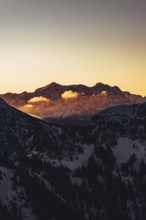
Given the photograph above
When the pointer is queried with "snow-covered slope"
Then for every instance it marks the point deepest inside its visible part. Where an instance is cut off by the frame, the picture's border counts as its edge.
(64, 172)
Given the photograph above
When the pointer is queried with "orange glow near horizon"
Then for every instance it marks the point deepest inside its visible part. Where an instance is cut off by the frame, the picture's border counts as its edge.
(27, 70)
(78, 42)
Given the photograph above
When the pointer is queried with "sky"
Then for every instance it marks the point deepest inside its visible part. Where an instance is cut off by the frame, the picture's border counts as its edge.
(72, 42)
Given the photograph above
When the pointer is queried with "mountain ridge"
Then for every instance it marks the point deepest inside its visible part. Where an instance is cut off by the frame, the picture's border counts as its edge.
(76, 87)
(69, 104)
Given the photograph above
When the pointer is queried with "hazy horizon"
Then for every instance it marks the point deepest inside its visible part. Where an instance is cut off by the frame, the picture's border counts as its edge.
(72, 42)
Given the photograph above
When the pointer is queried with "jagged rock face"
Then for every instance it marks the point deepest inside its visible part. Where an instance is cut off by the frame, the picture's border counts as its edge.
(70, 104)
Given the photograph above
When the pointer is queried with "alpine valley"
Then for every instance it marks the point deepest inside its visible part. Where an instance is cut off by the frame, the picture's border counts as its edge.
(86, 160)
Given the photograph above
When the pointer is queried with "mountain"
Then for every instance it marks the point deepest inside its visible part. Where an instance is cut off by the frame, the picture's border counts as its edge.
(66, 172)
(23, 134)
(73, 104)
(22, 138)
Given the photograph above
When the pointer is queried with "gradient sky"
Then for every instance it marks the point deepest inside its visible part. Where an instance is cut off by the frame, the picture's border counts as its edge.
(72, 41)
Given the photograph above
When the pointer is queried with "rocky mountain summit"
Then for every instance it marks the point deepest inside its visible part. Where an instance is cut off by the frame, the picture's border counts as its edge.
(73, 104)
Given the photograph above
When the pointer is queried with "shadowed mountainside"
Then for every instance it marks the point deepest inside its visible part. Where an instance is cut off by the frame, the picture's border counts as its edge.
(64, 172)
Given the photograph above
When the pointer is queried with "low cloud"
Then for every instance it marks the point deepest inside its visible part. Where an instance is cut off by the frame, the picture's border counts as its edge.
(38, 99)
(104, 93)
(70, 95)
(28, 106)
(36, 106)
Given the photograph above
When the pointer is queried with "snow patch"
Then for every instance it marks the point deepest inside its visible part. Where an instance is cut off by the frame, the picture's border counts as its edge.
(126, 148)
(79, 160)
